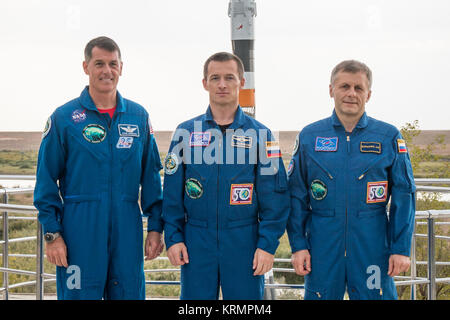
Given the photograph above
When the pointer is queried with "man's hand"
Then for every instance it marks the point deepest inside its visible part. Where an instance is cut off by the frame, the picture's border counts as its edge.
(154, 245)
(397, 264)
(262, 262)
(178, 254)
(56, 252)
(301, 261)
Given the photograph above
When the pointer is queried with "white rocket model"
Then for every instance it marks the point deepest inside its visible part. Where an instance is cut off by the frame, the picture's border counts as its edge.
(242, 13)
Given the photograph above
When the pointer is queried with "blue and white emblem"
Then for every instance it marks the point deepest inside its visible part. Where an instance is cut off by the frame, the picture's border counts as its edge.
(171, 163)
(326, 144)
(200, 139)
(128, 130)
(124, 143)
(79, 116)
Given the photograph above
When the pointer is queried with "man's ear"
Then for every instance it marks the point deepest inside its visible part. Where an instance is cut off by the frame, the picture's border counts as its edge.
(85, 65)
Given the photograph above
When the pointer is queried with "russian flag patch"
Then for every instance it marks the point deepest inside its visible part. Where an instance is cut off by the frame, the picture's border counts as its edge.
(401, 146)
(273, 149)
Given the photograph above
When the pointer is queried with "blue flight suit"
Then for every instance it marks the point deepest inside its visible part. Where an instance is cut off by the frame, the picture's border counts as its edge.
(225, 195)
(340, 186)
(90, 168)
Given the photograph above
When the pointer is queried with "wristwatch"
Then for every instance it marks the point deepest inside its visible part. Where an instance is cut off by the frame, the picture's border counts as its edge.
(50, 237)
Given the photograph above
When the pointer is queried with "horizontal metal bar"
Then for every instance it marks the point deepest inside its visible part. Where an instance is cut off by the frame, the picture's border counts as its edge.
(410, 282)
(16, 271)
(19, 239)
(18, 208)
(442, 280)
(157, 282)
(438, 263)
(432, 189)
(283, 270)
(20, 255)
(161, 270)
(436, 223)
(431, 180)
(19, 218)
(16, 190)
(284, 286)
(420, 235)
(17, 177)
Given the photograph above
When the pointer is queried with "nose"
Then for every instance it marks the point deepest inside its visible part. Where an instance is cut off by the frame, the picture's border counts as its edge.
(222, 83)
(351, 92)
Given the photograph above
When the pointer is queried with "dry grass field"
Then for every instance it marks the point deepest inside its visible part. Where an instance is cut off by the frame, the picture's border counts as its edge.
(29, 141)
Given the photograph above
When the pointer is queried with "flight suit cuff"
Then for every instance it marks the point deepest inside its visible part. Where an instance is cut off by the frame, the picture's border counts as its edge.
(399, 251)
(268, 247)
(174, 239)
(51, 227)
(154, 225)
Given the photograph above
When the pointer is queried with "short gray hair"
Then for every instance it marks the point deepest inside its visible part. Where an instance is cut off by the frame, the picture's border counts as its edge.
(352, 66)
(102, 43)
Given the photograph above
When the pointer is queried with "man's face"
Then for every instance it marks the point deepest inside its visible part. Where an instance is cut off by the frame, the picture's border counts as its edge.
(104, 70)
(350, 92)
(223, 83)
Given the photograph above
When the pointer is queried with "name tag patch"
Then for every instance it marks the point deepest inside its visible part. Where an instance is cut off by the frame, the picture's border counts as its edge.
(124, 143)
(128, 130)
(241, 193)
(326, 144)
(200, 139)
(273, 149)
(374, 147)
(377, 191)
(241, 141)
(401, 146)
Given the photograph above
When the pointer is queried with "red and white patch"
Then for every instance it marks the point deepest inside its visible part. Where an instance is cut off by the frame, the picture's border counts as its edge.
(241, 193)
(377, 191)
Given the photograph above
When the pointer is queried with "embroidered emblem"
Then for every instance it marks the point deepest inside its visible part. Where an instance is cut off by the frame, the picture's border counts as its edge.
(326, 144)
(273, 149)
(291, 167)
(128, 130)
(241, 193)
(94, 133)
(401, 146)
(171, 163)
(241, 141)
(377, 191)
(318, 189)
(200, 139)
(124, 142)
(48, 126)
(374, 147)
(193, 188)
(79, 116)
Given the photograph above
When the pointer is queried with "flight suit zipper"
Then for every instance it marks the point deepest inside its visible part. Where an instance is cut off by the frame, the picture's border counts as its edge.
(346, 201)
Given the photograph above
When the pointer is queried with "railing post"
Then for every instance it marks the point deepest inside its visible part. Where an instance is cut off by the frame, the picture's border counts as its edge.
(413, 258)
(431, 260)
(39, 263)
(5, 248)
(269, 293)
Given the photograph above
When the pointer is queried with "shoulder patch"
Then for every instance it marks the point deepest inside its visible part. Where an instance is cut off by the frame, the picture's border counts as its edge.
(48, 126)
(273, 149)
(291, 167)
(401, 145)
(296, 144)
(171, 163)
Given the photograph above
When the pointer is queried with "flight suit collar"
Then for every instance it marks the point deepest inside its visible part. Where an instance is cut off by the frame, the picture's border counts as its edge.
(88, 103)
(239, 117)
(362, 123)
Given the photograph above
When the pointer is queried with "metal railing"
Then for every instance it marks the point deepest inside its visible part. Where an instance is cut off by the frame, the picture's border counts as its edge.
(30, 213)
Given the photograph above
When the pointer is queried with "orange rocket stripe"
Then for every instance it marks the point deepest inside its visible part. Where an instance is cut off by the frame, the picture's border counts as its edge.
(247, 97)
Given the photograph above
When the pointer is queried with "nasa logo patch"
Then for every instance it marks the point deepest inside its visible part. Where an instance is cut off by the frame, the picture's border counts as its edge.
(79, 116)
(241, 193)
(326, 144)
(377, 191)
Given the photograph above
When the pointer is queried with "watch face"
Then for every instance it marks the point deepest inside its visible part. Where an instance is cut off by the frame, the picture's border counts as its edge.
(48, 237)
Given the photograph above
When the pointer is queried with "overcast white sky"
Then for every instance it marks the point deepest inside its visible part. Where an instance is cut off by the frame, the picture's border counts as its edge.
(165, 43)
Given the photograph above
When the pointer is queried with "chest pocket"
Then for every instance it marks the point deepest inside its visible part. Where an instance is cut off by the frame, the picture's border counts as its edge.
(321, 185)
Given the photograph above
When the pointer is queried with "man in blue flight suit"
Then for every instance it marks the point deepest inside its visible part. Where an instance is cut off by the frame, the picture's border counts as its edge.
(96, 151)
(226, 201)
(343, 172)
